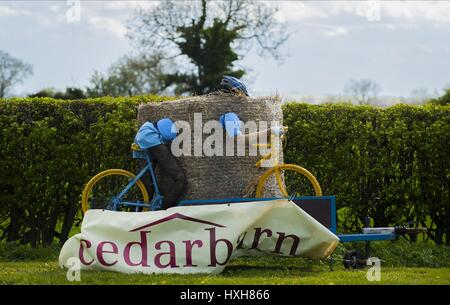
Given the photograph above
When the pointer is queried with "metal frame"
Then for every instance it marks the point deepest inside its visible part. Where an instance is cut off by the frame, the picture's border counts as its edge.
(157, 199)
(333, 228)
(345, 238)
(241, 200)
(224, 200)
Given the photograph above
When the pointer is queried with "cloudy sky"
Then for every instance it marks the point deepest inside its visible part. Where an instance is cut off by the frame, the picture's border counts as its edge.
(402, 45)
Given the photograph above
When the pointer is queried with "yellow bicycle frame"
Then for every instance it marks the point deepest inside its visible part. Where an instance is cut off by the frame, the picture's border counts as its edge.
(273, 153)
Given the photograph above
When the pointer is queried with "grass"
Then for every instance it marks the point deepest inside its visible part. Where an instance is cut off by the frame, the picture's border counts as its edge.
(269, 271)
(403, 254)
(402, 263)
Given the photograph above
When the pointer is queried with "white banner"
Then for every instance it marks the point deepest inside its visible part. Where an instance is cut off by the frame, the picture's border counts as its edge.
(195, 239)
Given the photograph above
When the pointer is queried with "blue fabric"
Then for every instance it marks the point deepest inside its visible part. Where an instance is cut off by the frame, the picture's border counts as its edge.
(232, 124)
(167, 129)
(148, 136)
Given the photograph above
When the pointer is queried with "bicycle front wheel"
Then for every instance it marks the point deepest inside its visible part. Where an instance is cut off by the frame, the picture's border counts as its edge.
(103, 187)
(290, 179)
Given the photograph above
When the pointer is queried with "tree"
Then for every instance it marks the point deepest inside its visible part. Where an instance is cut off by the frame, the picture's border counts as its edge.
(12, 72)
(363, 90)
(129, 76)
(206, 38)
(443, 100)
(420, 95)
(71, 93)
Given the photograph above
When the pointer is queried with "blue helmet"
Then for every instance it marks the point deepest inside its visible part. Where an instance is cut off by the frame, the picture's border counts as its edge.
(233, 84)
(167, 129)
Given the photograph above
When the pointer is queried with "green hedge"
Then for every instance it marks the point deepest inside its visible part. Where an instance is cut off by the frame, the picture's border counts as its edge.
(50, 148)
(391, 163)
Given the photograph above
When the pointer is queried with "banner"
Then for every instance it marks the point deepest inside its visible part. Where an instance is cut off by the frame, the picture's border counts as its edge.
(195, 239)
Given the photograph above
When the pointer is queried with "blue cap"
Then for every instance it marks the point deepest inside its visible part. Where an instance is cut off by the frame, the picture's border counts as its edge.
(167, 129)
(232, 124)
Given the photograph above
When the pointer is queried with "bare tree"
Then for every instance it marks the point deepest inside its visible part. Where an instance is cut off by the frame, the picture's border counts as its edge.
(12, 72)
(206, 37)
(156, 28)
(362, 90)
(420, 95)
(130, 76)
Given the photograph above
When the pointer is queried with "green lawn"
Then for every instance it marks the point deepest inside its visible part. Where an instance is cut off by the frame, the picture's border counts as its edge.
(276, 271)
(402, 263)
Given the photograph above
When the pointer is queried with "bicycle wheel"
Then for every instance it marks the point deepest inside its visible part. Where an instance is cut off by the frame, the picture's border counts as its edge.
(100, 190)
(290, 180)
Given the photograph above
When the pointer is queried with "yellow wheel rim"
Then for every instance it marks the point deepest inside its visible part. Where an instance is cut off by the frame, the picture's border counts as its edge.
(110, 172)
(277, 172)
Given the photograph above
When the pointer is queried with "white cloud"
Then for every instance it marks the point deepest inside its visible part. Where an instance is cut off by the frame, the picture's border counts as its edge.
(402, 11)
(436, 11)
(292, 10)
(426, 49)
(109, 25)
(338, 31)
(54, 8)
(127, 5)
(6, 11)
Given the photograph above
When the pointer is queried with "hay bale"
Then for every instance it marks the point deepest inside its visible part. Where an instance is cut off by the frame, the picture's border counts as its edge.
(217, 177)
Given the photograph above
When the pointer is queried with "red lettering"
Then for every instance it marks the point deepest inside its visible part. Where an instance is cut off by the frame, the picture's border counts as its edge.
(257, 237)
(240, 241)
(282, 237)
(213, 244)
(189, 245)
(81, 252)
(172, 258)
(101, 251)
(144, 252)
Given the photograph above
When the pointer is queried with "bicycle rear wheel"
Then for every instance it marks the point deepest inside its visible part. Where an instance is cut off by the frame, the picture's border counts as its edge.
(103, 187)
(290, 179)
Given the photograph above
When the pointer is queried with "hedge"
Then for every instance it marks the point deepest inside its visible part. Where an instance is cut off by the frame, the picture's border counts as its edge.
(390, 163)
(50, 148)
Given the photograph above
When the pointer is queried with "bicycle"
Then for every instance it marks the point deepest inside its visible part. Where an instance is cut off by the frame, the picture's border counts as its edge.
(291, 172)
(118, 189)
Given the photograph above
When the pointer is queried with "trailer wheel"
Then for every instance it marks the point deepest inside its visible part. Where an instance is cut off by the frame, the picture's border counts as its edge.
(354, 259)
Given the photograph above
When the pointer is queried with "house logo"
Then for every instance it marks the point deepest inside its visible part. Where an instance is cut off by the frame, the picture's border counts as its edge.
(176, 216)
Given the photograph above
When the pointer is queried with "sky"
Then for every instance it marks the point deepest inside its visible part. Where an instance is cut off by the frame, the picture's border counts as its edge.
(402, 45)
